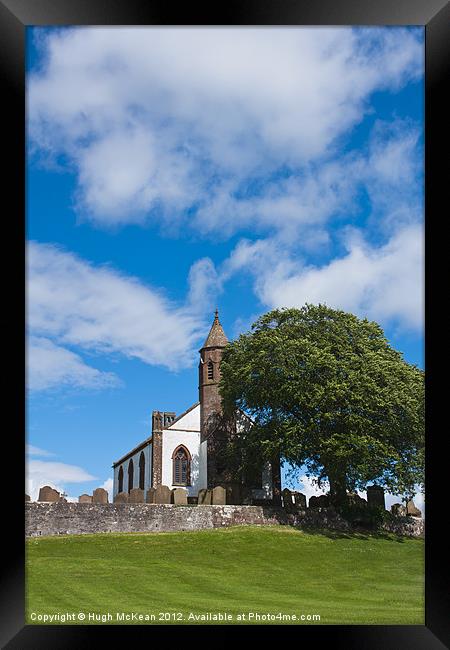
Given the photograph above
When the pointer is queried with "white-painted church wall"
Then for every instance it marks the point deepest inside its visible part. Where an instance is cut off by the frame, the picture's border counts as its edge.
(147, 470)
(171, 440)
(203, 466)
(189, 422)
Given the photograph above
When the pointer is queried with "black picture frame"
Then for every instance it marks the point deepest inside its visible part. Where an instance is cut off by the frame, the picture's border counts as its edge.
(15, 16)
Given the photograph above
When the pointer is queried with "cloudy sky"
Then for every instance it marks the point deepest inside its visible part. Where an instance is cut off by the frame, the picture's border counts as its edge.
(171, 171)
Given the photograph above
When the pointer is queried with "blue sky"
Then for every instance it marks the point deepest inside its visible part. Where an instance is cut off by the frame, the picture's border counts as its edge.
(171, 171)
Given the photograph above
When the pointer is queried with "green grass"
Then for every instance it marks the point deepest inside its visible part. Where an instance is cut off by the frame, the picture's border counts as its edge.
(346, 579)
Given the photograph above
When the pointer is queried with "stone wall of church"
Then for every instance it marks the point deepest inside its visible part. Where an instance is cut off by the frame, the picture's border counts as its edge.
(62, 518)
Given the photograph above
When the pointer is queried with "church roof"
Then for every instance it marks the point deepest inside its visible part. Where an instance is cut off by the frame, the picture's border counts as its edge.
(216, 337)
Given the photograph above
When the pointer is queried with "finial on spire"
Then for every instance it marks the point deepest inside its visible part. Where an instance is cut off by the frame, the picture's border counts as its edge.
(216, 314)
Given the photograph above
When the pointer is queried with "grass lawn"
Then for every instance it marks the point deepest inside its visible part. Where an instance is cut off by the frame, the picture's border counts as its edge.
(346, 579)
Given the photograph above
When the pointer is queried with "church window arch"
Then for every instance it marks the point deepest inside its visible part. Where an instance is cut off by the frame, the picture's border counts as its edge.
(210, 370)
(142, 470)
(130, 475)
(181, 459)
(120, 479)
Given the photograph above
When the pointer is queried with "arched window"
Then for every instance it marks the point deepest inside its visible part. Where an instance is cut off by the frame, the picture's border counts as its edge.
(210, 370)
(181, 466)
(142, 470)
(121, 479)
(130, 475)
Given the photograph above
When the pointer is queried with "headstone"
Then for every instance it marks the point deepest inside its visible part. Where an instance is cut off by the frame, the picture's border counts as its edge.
(162, 494)
(219, 496)
(85, 498)
(47, 493)
(321, 501)
(100, 495)
(150, 498)
(288, 503)
(136, 496)
(398, 509)
(375, 496)
(179, 497)
(300, 500)
(27, 497)
(236, 493)
(355, 500)
(412, 510)
(204, 497)
(121, 497)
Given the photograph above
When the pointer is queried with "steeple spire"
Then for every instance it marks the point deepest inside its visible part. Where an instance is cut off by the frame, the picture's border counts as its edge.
(216, 337)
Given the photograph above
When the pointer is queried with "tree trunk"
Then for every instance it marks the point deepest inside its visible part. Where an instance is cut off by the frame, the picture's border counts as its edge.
(338, 488)
(276, 481)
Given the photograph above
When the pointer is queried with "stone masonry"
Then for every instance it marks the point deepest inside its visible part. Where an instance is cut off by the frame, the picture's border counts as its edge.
(62, 518)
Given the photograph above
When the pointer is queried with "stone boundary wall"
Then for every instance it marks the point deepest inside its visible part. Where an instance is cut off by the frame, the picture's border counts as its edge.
(62, 518)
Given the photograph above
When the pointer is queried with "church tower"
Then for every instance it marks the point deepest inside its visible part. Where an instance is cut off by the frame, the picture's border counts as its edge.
(209, 396)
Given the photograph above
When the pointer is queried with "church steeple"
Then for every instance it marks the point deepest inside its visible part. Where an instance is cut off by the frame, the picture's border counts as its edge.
(216, 337)
(209, 375)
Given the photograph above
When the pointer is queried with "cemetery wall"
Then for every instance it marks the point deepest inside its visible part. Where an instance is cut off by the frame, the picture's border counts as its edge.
(62, 518)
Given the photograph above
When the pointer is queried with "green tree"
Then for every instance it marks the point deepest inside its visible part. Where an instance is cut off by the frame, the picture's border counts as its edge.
(326, 390)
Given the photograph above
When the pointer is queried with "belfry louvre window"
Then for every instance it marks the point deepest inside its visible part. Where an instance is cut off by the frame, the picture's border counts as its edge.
(181, 467)
(210, 370)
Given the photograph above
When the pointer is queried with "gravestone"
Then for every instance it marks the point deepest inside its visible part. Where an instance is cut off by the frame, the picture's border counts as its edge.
(355, 500)
(179, 497)
(100, 495)
(412, 510)
(246, 496)
(321, 501)
(162, 494)
(300, 500)
(235, 493)
(47, 493)
(204, 497)
(150, 498)
(121, 497)
(288, 503)
(27, 497)
(398, 509)
(136, 496)
(85, 498)
(375, 496)
(219, 496)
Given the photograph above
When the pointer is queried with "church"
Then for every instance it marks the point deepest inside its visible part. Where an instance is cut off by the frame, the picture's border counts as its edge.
(184, 450)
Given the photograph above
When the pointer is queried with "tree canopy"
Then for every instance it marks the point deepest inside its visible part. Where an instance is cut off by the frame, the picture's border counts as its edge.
(325, 389)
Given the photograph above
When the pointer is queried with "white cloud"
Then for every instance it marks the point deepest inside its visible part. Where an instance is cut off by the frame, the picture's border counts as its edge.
(151, 118)
(31, 450)
(56, 475)
(74, 303)
(383, 283)
(50, 365)
(155, 121)
(205, 285)
(298, 207)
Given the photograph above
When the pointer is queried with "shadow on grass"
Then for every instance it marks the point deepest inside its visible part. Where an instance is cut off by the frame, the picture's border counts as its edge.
(356, 533)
